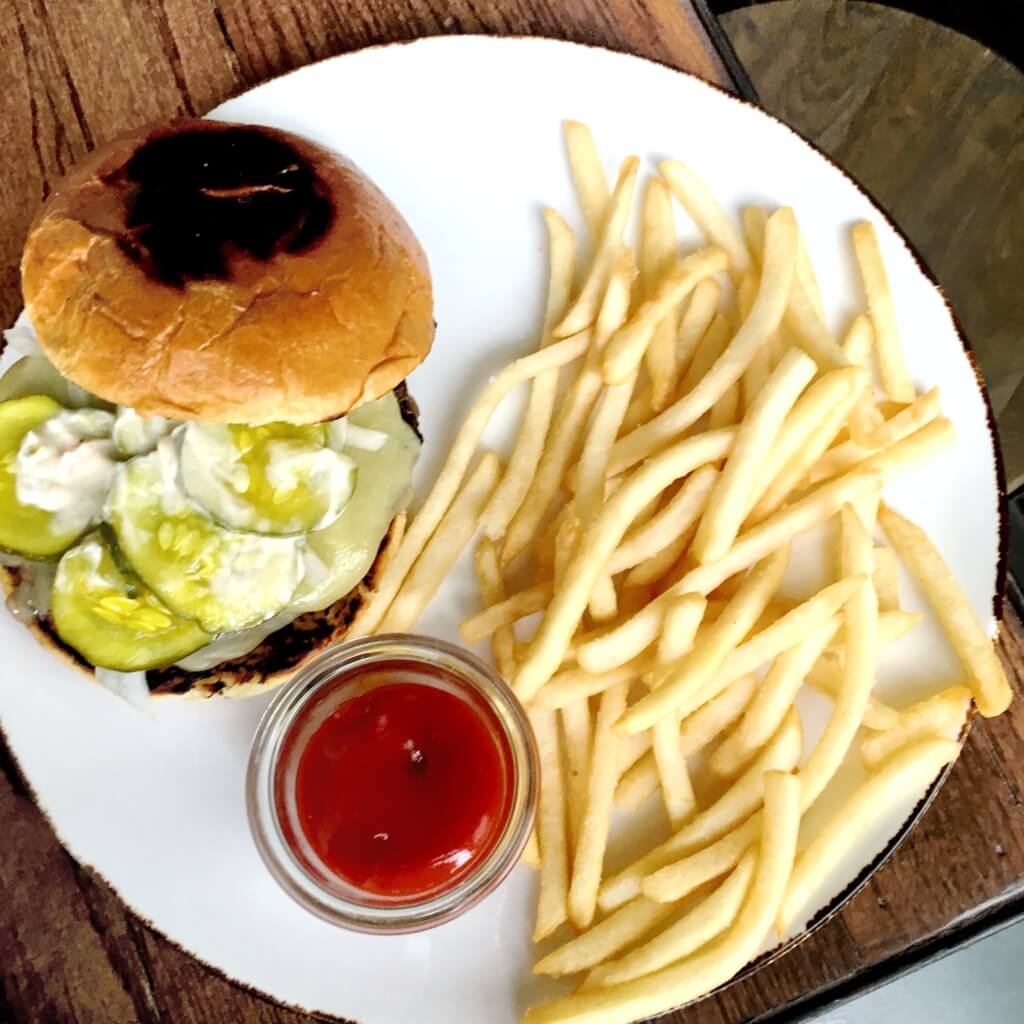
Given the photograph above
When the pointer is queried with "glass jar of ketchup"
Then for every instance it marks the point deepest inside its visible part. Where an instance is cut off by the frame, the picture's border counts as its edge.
(392, 783)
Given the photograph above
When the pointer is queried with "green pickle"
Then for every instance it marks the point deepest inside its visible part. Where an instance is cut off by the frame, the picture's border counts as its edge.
(25, 529)
(224, 580)
(277, 479)
(112, 620)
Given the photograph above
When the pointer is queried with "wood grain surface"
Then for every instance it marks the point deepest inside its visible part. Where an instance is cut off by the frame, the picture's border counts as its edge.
(73, 73)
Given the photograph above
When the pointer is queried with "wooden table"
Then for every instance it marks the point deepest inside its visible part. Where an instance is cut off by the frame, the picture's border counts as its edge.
(73, 73)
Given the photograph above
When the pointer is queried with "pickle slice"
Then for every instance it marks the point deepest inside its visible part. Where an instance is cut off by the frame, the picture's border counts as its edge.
(224, 580)
(277, 479)
(25, 529)
(115, 621)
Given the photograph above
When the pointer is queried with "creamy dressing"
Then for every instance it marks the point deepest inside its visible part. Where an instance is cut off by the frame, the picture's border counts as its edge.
(137, 435)
(66, 466)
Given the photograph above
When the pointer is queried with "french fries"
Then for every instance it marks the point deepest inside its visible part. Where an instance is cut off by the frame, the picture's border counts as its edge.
(985, 674)
(649, 507)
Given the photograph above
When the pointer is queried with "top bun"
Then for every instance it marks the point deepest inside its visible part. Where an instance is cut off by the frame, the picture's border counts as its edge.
(228, 273)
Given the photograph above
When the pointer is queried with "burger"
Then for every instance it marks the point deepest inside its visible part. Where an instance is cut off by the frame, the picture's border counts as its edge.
(206, 445)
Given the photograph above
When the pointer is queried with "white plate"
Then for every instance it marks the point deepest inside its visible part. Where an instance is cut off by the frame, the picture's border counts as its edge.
(465, 135)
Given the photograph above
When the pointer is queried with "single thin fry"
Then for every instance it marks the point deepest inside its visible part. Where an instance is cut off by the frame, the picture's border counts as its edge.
(583, 312)
(565, 543)
(439, 555)
(776, 280)
(513, 608)
(891, 627)
(657, 254)
(907, 771)
(887, 580)
(805, 324)
(551, 827)
(774, 697)
(682, 620)
(577, 732)
(730, 500)
(717, 226)
(531, 851)
(718, 962)
(859, 664)
(587, 174)
(509, 494)
(679, 513)
(630, 922)
(754, 219)
(693, 325)
(448, 480)
(626, 348)
(939, 715)
(597, 545)
(891, 364)
(590, 845)
(838, 389)
(575, 683)
(826, 678)
(659, 566)
(623, 642)
(707, 919)
(710, 347)
(695, 733)
(725, 412)
(604, 601)
(985, 674)
(696, 668)
(492, 589)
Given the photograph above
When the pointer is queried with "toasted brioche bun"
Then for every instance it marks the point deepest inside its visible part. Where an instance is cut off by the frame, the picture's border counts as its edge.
(228, 273)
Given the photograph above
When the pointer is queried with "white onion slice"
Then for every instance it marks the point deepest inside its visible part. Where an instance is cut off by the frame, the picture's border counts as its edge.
(129, 686)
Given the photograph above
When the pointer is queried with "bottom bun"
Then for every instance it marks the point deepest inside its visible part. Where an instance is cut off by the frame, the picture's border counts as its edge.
(266, 666)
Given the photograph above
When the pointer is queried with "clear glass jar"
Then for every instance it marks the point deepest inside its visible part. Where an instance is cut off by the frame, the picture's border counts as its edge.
(317, 690)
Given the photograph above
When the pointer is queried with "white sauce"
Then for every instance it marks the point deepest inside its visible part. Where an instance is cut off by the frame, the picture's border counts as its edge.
(66, 466)
(138, 435)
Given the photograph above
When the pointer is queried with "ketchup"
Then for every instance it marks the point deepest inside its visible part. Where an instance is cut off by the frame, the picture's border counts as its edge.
(404, 787)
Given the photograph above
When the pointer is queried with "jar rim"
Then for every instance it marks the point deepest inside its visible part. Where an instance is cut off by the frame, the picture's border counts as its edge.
(287, 708)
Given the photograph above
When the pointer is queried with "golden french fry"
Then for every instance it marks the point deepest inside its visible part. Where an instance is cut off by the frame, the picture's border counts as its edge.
(577, 733)
(682, 619)
(730, 500)
(593, 838)
(725, 412)
(492, 589)
(938, 715)
(639, 410)
(693, 325)
(583, 312)
(709, 348)
(710, 917)
(891, 364)
(575, 683)
(859, 664)
(717, 226)
(623, 642)
(657, 569)
(985, 674)
(695, 733)
(673, 773)
(597, 545)
(551, 827)
(509, 494)
(907, 771)
(826, 678)
(679, 513)
(657, 255)
(453, 533)
(717, 963)
(615, 932)
(759, 326)
(835, 390)
(807, 327)
(497, 616)
(887, 580)
(459, 457)
(677, 879)
(531, 851)
(891, 627)
(754, 219)
(587, 174)
(626, 348)
(565, 543)
(774, 697)
(695, 669)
